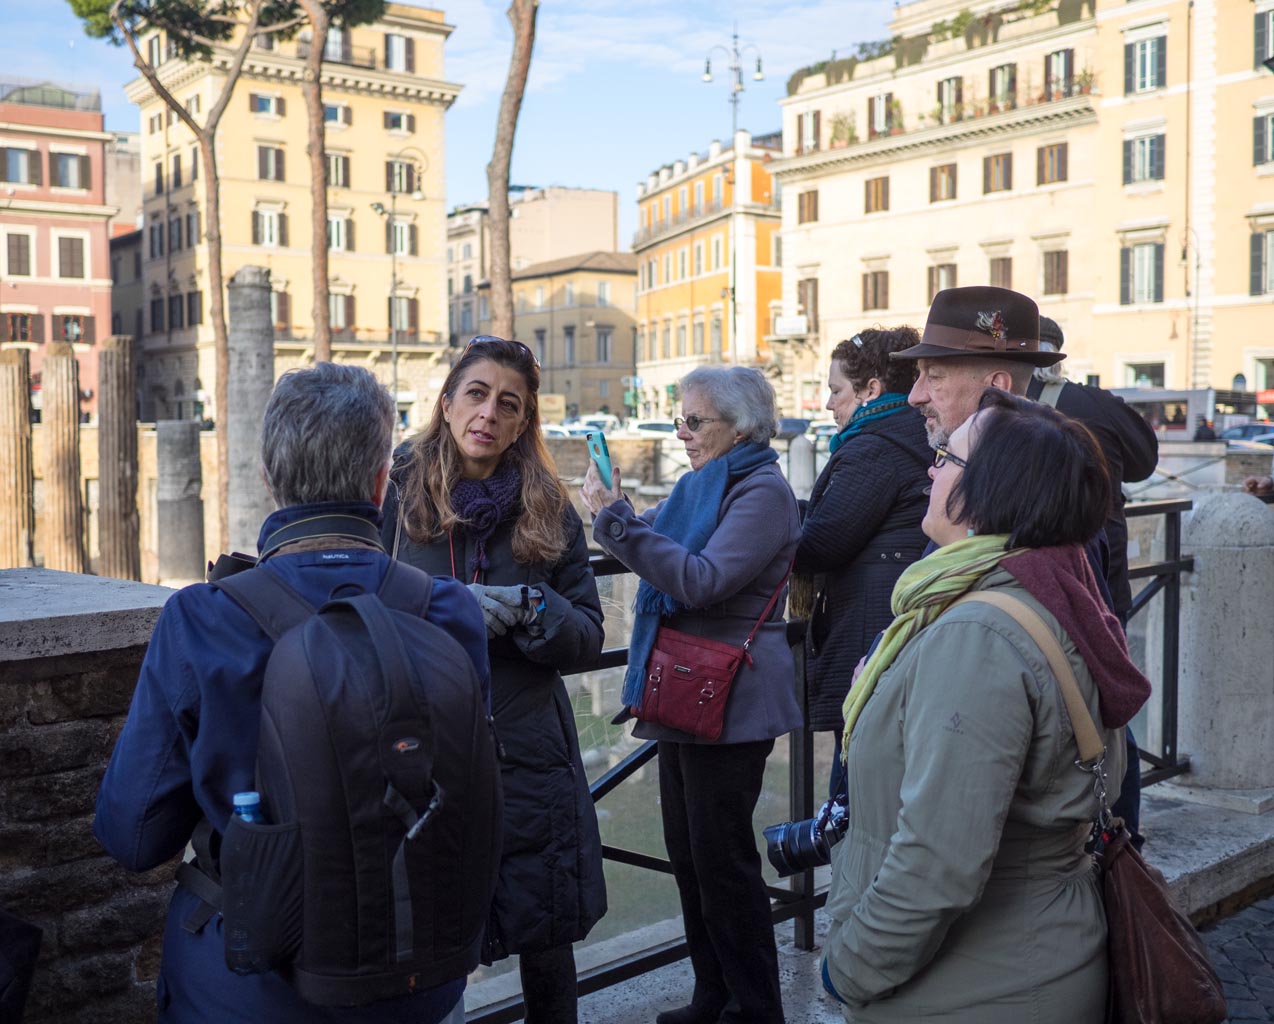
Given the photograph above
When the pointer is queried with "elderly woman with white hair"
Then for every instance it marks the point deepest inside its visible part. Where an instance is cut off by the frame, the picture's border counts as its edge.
(713, 560)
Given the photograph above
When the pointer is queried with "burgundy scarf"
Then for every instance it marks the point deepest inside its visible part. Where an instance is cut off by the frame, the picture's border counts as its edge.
(483, 505)
(1061, 579)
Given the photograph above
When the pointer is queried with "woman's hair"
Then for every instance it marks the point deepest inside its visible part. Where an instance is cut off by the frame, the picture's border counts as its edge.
(866, 355)
(1033, 473)
(434, 463)
(327, 433)
(741, 395)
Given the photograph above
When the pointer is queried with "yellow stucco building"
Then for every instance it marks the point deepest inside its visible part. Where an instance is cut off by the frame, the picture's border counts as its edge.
(576, 315)
(1111, 158)
(385, 98)
(708, 266)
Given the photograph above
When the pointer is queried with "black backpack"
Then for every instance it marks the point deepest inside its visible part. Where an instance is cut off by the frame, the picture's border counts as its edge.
(379, 783)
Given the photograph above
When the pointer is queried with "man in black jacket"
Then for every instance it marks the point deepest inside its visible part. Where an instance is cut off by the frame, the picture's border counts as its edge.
(1130, 446)
(1132, 452)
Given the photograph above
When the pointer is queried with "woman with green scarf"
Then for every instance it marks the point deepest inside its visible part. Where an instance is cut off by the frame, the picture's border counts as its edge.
(861, 528)
(962, 890)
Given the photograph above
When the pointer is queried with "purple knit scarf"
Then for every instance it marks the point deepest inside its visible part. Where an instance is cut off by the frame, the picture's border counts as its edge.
(483, 505)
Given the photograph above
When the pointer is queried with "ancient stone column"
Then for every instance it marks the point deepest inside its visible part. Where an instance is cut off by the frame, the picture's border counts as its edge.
(179, 515)
(17, 505)
(63, 532)
(118, 530)
(248, 389)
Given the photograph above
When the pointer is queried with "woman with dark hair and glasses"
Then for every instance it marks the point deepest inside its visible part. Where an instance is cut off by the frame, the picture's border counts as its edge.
(710, 557)
(862, 525)
(962, 890)
(478, 499)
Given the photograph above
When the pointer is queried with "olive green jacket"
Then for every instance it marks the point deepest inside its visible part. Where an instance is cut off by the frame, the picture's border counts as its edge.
(962, 891)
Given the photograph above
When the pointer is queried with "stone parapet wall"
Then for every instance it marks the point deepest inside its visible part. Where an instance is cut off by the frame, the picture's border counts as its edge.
(70, 650)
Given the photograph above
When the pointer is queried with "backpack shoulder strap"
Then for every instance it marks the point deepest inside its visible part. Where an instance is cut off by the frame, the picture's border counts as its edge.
(1087, 734)
(1050, 393)
(406, 588)
(273, 605)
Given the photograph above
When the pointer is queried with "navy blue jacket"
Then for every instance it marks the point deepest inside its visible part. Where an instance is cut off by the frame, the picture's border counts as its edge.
(190, 744)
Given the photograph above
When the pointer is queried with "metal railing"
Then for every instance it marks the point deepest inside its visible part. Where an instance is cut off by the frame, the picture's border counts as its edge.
(799, 902)
(1165, 578)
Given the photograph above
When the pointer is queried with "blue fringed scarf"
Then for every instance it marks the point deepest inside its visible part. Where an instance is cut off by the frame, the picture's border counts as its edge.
(690, 517)
(877, 409)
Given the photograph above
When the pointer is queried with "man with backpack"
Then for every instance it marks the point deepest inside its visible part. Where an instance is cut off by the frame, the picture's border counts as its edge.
(350, 695)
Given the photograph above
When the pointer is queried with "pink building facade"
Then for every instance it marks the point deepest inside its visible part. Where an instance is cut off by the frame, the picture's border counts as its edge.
(55, 282)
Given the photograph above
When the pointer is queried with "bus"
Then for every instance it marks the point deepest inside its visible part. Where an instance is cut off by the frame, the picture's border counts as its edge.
(1175, 415)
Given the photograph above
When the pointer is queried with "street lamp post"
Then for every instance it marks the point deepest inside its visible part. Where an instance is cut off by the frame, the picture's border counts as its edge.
(735, 53)
(417, 169)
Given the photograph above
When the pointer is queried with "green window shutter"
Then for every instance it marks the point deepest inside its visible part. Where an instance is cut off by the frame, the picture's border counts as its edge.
(1130, 67)
(1159, 271)
(1259, 135)
(1257, 265)
(1125, 276)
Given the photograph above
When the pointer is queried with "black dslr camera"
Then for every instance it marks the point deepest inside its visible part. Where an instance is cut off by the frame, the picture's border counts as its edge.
(797, 846)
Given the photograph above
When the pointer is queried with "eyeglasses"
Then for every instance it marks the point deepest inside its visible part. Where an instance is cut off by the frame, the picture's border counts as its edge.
(693, 423)
(941, 457)
(491, 339)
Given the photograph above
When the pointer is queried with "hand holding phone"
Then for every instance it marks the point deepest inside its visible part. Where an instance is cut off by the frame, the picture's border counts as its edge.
(600, 454)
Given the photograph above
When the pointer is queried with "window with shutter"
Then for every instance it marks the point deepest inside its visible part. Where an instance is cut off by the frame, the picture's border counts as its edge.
(70, 257)
(876, 199)
(1050, 164)
(1002, 271)
(1056, 265)
(18, 254)
(194, 308)
(997, 173)
(876, 289)
(1263, 38)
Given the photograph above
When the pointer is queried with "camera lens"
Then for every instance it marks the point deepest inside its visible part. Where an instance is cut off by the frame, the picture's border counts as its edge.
(796, 846)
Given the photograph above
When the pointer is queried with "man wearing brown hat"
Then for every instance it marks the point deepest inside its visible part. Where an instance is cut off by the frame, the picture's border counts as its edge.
(974, 338)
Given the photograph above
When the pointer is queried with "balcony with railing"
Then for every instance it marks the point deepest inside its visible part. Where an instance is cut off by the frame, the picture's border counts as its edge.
(44, 93)
(356, 56)
(686, 218)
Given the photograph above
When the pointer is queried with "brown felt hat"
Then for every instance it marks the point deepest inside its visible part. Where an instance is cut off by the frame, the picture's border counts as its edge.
(982, 321)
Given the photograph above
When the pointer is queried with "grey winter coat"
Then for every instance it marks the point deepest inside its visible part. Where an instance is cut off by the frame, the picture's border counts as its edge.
(962, 891)
(551, 890)
(726, 585)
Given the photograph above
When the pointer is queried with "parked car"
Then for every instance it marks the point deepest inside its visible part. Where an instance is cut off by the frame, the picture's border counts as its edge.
(790, 427)
(1247, 431)
(554, 430)
(823, 428)
(664, 429)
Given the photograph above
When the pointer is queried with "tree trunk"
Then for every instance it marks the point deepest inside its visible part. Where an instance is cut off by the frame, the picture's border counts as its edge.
(312, 90)
(522, 14)
(206, 135)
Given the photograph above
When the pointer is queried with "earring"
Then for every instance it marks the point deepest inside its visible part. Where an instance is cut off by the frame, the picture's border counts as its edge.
(972, 532)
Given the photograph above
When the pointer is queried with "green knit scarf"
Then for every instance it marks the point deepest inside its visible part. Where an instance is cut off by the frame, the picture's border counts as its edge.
(923, 592)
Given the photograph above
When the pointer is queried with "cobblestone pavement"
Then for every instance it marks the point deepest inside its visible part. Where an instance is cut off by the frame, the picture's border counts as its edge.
(1242, 949)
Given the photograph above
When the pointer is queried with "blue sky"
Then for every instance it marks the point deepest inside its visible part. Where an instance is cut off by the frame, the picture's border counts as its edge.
(614, 91)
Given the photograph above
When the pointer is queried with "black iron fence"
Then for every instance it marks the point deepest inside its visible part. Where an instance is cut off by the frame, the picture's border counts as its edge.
(799, 901)
(1165, 578)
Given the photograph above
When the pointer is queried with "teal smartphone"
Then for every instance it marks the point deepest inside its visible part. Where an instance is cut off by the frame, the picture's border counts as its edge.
(600, 455)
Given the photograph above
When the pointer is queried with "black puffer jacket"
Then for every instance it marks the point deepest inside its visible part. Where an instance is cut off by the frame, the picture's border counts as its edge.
(861, 529)
(551, 890)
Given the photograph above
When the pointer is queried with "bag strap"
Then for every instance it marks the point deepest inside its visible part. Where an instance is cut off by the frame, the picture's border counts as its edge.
(273, 605)
(769, 607)
(1087, 735)
(1050, 393)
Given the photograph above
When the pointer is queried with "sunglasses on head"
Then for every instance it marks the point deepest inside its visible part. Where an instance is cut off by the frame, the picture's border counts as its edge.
(491, 339)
